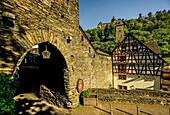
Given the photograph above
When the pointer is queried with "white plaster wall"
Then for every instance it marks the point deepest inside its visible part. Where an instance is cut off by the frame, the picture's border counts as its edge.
(138, 82)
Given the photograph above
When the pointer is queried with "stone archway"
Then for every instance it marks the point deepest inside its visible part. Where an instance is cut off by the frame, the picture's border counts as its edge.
(47, 88)
(44, 77)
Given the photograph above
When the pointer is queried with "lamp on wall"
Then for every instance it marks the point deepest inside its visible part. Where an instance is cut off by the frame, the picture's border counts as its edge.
(46, 54)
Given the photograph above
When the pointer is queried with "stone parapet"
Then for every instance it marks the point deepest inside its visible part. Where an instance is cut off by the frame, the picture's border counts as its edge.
(133, 96)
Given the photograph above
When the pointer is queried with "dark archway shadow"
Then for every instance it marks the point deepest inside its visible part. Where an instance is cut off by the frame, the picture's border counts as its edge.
(52, 70)
(35, 71)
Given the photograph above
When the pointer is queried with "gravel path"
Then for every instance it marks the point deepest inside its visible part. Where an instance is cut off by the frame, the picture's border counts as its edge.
(29, 104)
(104, 108)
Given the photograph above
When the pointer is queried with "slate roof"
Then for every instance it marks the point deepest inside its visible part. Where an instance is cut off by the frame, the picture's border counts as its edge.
(153, 45)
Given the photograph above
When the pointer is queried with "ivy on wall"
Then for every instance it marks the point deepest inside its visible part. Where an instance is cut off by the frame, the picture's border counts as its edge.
(7, 104)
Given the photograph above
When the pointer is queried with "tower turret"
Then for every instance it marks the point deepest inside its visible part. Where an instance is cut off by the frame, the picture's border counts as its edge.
(119, 30)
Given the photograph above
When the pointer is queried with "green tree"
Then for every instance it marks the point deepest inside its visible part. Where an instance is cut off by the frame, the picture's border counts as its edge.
(94, 35)
(139, 26)
(113, 19)
(150, 15)
(101, 35)
(106, 31)
(154, 27)
(7, 104)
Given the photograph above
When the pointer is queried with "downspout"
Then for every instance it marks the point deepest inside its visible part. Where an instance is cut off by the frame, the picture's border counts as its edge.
(112, 71)
(161, 77)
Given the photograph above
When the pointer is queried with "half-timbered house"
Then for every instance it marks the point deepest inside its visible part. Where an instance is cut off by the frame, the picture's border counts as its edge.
(136, 66)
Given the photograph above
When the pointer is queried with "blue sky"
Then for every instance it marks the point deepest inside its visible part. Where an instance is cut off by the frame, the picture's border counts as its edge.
(91, 12)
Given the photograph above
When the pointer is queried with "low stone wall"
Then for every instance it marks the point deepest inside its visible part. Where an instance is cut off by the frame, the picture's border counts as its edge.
(133, 96)
(90, 101)
(53, 98)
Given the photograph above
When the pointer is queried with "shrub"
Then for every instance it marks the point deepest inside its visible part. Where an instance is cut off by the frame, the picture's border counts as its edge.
(7, 104)
(85, 94)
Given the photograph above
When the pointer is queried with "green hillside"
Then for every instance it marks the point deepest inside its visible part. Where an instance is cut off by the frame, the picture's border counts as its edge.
(153, 27)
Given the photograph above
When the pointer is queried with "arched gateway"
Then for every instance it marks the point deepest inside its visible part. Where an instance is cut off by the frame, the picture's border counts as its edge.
(36, 70)
(41, 73)
(29, 28)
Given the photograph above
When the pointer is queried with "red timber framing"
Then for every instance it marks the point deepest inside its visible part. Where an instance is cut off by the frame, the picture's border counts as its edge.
(133, 57)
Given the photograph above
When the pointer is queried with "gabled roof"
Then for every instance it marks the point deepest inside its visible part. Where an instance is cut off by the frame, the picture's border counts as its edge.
(153, 46)
(148, 47)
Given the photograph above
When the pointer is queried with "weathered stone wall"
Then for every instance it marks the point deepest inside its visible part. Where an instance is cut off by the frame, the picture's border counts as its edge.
(24, 23)
(93, 67)
(133, 96)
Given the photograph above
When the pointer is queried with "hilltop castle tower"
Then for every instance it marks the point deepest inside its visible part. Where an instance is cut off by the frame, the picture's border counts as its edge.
(119, 27)
(119, 30)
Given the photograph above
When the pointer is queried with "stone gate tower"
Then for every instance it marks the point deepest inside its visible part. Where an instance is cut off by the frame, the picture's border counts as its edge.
(28, 28)
(119, 30)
